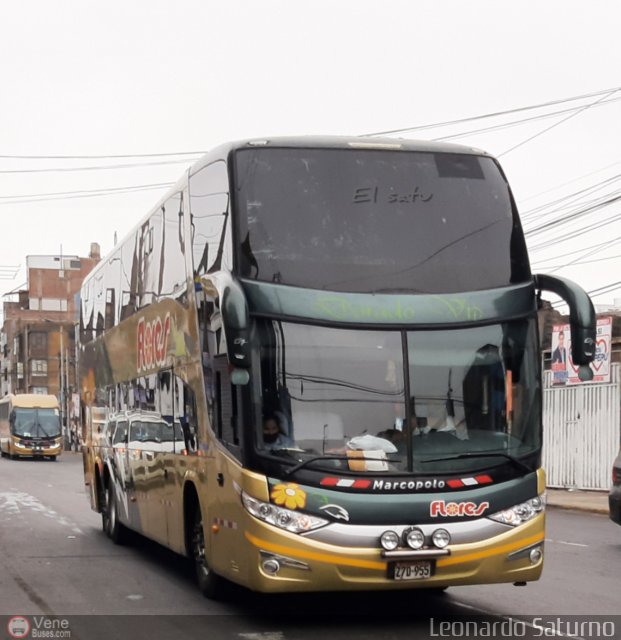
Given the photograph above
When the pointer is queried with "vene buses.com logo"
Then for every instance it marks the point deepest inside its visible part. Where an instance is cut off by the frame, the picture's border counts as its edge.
(18, 627)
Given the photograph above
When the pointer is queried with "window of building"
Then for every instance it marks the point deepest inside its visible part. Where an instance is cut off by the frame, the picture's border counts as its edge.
(38, 367)
(39, 390)
(38, 340)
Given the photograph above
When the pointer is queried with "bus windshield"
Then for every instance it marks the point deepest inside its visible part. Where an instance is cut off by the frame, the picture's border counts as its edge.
(376, 221)
(339, 396)
(36, 423)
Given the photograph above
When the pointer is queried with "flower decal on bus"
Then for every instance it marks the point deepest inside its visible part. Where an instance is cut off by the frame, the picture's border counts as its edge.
(289, 495)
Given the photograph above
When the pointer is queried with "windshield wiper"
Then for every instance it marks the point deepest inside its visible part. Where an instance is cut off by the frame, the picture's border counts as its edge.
(303, 463)
(483, 454)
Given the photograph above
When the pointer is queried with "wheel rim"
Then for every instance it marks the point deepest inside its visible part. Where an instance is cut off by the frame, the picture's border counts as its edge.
(198, 549)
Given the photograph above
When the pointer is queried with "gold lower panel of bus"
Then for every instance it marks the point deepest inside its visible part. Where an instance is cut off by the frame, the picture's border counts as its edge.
(310, 566)
(15, 449)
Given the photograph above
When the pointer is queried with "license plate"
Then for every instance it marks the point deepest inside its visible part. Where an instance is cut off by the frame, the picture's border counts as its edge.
(413, 570)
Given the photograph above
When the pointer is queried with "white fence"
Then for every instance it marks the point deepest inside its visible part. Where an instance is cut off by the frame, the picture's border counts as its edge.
(581, 432)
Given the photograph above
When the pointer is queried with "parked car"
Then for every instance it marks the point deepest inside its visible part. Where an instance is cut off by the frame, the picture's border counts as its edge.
(614, 497)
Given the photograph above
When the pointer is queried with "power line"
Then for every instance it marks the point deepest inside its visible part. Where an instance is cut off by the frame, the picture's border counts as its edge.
(103, 157)
(515, 123)
(568, 217)
(595, 293)
(564, 184)
(69, 195)
(63, 193)
(613, 286)
(601, 245)
(94, 168)
(578, 260)
(571, 216)
(551, 269)
(576, 195)
(577, 232)
(493, 114)
(556, 124)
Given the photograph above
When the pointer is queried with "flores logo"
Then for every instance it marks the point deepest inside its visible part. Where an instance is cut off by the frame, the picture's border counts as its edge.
(452, 509)
(152, 342)
(18, 627)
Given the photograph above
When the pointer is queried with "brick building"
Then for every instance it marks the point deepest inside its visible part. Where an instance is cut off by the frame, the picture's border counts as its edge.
(38, 334)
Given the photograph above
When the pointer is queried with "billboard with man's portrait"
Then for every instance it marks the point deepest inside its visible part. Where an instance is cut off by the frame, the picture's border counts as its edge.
(563, 369)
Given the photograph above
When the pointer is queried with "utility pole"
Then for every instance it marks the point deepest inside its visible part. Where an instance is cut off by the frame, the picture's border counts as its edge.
(68, 402)
(62, 389)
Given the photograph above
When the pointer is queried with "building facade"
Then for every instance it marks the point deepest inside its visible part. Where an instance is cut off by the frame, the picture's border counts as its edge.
(38, 334)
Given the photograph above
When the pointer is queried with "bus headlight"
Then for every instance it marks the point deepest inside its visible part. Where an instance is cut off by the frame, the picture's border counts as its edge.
(281, 518)
(522, 512)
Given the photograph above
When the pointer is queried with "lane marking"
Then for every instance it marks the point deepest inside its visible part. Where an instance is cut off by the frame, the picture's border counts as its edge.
(571, 544)
(14, 503)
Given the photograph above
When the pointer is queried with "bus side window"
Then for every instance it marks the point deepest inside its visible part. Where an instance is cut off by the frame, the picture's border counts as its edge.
(209, 205)
(186, 417)
(228, 403)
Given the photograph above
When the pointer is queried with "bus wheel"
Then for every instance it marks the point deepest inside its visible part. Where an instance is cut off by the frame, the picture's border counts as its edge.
(103, 502)
(209, 583)
(115, 530)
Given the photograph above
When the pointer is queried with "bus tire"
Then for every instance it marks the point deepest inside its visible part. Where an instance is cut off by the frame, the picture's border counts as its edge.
(210, 584)
(115, 530)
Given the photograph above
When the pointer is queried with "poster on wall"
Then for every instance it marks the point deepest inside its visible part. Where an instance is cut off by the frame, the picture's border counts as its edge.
(563, 369)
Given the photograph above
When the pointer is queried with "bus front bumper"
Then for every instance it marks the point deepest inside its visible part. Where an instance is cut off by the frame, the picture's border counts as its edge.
(280, 562)
(36, 451)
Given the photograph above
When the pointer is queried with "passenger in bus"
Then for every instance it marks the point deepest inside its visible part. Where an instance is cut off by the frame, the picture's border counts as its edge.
(273, 434)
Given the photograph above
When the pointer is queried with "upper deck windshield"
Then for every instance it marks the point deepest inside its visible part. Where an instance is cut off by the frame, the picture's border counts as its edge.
(338, 393)
(376, 220)
(36, 423)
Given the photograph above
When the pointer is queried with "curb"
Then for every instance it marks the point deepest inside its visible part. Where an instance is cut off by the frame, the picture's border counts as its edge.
(575, 507)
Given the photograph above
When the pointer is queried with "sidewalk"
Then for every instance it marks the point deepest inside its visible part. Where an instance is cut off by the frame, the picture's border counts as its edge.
(592, 501)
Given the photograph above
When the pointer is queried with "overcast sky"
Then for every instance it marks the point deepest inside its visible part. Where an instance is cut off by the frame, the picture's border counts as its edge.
(86, 78)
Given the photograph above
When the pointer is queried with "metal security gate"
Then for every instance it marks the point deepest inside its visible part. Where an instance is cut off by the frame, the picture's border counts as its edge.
(581, 432)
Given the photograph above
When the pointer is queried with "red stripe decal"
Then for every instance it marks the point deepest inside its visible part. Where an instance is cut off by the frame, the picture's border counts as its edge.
(361, 484)
(455, 484)
(329, 482)
(483, 479)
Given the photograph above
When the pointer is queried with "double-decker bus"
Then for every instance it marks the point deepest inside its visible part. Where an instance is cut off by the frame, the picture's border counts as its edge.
(30, 426)
(338, 340)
